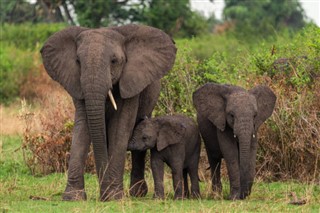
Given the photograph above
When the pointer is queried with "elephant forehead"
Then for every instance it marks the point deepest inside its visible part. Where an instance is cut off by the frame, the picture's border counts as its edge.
(242, 100)
(101, 35)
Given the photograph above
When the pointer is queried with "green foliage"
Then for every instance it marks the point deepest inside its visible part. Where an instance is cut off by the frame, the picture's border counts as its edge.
(297, 60)
(95, 13)
(16, 11)
(179, 84)
(19, 55)
(28, 36)
(264, 17)
(173, 17)
(15, 66)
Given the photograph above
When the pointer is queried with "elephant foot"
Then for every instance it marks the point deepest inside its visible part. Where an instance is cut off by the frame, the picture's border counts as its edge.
(179, 197)
(217, 188)
(244, 194)
(158, 197)
(234, 194)
(71, 194)
(111, 195)
(138, 188)
(195, 195)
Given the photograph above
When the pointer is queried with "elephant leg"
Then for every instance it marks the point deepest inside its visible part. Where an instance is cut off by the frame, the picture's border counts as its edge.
(78, 155)
(209, 135)
(185, 182)
(120, 128)
(157, 167)
(193, 173)
(138, 186)
(229, 149)
(215, 168)
(177, 175)
(195, 189)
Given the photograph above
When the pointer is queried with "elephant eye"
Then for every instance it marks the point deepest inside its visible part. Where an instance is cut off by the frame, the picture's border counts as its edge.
(114, 60)
(144, 138)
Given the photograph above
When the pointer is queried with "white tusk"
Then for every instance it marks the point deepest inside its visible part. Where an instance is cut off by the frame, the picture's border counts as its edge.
(234, 136)
(112, 100)
(254, 136)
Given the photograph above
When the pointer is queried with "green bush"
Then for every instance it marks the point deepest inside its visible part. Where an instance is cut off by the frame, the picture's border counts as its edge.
(28, 36)
(19, 55)
(179, 84)
(15, 65)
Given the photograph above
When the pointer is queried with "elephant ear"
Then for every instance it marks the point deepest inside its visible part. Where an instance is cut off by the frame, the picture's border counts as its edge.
(150, 55)
(210, 102)
(266, 100)
(59, 55)
(171, 132)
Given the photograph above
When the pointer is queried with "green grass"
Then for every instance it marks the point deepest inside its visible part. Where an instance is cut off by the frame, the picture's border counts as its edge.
(17, 185)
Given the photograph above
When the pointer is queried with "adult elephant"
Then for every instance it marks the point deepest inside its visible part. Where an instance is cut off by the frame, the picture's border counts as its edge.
(229, 118)
(113, 77)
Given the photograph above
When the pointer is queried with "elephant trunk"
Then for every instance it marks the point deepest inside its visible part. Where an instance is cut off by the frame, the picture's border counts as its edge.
(244, 157)
(245, 136)
(95, 107)
(95, 83)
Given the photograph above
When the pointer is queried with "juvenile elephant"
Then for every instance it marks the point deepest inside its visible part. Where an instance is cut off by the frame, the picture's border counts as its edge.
(174, 140)
(229, 118)
(113, 77)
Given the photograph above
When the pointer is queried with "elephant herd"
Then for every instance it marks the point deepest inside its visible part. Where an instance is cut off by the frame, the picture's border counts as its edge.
(113, 76)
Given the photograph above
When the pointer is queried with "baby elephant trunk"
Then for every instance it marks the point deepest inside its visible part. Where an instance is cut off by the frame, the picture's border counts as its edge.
(131, 146)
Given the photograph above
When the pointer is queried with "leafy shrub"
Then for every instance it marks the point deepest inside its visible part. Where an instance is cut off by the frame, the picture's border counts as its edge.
(20, 57)
(28, 36)
(15, 65)
(179, 84)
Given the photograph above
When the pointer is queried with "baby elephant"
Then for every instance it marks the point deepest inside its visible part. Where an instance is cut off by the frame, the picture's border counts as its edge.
(174, 140)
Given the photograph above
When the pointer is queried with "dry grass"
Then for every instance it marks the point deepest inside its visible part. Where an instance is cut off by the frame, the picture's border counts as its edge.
(290, 139)
(10, 124)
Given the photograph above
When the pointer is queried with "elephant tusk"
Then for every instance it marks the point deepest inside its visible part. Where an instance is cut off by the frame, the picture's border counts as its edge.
(234, 136)
(112, 100)
(254, 136)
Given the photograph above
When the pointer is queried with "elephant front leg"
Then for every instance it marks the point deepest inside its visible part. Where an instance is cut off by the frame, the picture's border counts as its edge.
(177, 175)
(138, 185)
(78, 155)
(120, 128)
(157, 167)
(230, 153)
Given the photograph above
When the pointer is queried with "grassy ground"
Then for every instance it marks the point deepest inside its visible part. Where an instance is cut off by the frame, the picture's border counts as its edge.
(17, 187)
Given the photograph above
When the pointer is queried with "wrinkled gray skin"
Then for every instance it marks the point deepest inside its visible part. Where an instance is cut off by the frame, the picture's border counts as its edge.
(174, 140)
(128, 60)
(229, 118)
